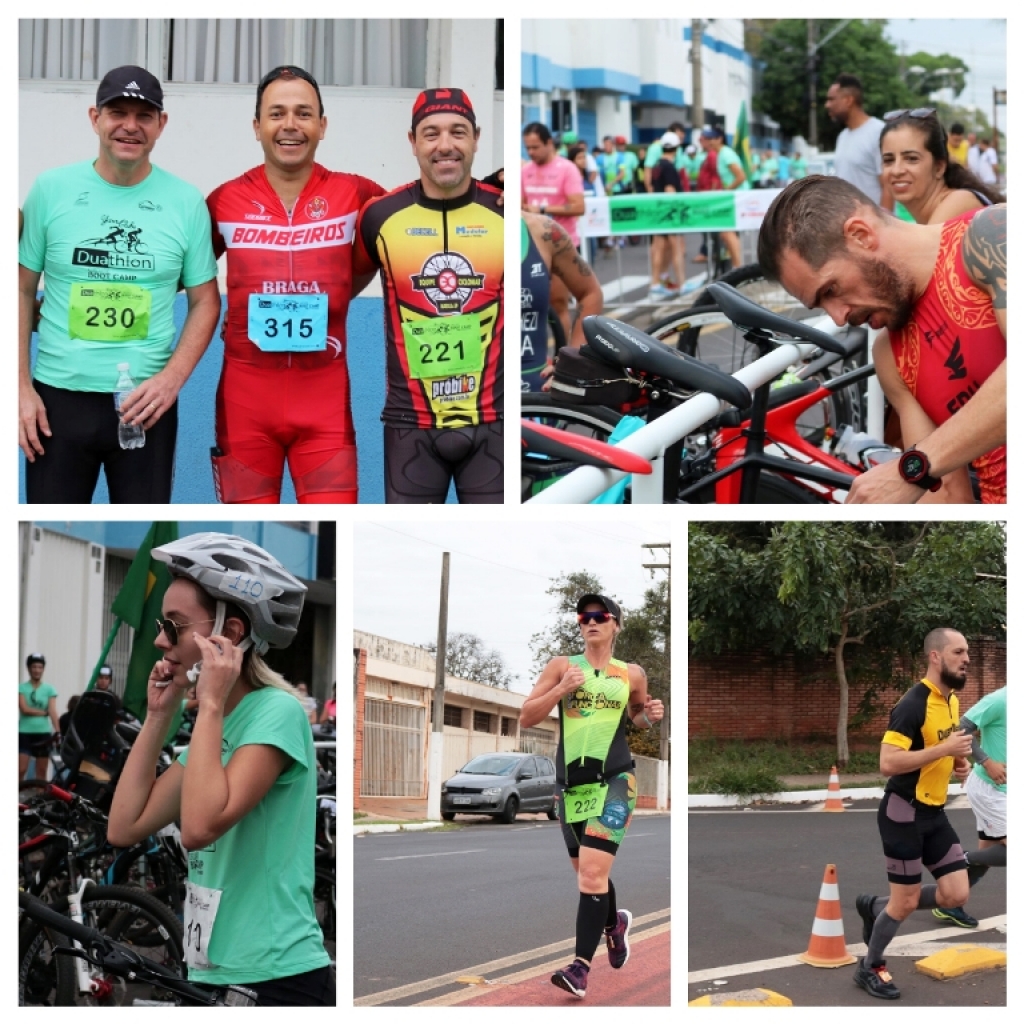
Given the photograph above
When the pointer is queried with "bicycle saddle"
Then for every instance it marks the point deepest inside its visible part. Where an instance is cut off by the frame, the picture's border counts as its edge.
(744, 313)
(586, 451)
(621, 345)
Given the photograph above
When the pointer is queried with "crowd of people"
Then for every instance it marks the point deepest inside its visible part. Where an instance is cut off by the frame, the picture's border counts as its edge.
(117, 238)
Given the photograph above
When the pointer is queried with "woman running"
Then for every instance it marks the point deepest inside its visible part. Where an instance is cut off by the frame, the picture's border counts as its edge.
(594, 694)
(245, 789)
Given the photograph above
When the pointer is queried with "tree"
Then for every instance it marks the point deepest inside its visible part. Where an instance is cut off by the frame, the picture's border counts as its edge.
(828, 587)
(643, 640)
(860, 47)
(466, 658)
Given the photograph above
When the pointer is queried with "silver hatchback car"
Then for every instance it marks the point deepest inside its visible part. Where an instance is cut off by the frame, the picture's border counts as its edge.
(501, 785)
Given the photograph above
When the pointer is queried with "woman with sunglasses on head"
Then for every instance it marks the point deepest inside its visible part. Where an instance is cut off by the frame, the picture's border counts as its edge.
(594, 694)
(245, 789)
(917, 168)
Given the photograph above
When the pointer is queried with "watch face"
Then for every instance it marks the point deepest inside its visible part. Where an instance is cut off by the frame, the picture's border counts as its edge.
(913, 465)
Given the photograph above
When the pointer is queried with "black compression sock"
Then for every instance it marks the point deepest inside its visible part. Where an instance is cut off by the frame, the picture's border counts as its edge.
(991, 856)
(590, 919)
(613, 911)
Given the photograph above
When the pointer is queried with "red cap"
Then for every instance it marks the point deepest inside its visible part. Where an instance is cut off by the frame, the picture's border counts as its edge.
(442, 101)
(620, 140)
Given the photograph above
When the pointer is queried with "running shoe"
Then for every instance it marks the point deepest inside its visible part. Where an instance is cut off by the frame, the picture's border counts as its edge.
(617, 940)
(659, 291)
(875, 980)
(865, 903)
(955, 915)
(573, 979)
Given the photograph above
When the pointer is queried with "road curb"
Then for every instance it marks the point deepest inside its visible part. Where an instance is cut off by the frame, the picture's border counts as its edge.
(802, 796)
(413, 826)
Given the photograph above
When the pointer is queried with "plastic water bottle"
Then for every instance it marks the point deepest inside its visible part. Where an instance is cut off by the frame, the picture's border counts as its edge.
(127, 436)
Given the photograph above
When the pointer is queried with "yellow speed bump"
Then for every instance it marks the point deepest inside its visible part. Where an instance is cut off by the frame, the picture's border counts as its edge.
(748, 997)
(958, 960)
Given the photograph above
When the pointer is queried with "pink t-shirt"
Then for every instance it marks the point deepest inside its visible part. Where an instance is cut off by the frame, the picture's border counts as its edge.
(553, 183)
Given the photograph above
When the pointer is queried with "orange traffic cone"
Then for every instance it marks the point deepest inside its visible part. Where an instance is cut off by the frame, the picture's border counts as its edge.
(828, 945)
(834, 799)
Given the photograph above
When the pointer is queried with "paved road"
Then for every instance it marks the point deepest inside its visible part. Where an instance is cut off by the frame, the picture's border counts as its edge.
(754, 879)
(429, 904)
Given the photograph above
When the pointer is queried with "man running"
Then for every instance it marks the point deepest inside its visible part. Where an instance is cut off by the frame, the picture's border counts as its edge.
(287, 227)
(439, 244)
(940, 290)
(109, 303)
(922, 747)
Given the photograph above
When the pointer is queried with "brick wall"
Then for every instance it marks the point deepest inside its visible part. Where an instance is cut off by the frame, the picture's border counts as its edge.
(357, 753)
(758, 696)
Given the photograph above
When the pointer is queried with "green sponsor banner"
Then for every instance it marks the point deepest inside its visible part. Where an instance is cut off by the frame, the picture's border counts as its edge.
(667, 212)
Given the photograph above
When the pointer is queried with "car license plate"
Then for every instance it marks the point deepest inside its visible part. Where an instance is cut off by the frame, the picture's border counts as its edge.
(462, 800)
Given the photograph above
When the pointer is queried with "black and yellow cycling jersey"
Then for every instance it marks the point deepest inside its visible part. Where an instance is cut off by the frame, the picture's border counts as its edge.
(593, 720)
(923, 718)
(442, 264)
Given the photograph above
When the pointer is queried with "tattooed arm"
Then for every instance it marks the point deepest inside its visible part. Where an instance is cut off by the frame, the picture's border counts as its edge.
(980, 425)
(566, 263)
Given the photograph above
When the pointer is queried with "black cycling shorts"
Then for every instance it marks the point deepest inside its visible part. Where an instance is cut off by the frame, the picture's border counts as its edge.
(913, 835)
(420, 464)
(84, 426)
(35, 744)
(311, 988)
(606, 831)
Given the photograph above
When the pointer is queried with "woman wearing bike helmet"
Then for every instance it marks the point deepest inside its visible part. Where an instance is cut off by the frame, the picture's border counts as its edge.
(245, 790)
(594, 694)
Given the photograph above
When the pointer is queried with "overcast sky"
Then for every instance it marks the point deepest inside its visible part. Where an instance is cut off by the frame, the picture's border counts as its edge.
(979, 43)
(499, 574)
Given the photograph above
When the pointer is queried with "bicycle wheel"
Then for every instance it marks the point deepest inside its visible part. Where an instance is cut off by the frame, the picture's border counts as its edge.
(133, 918)
(538, 472)
(325, 903)
(44, 979)
(720, 342)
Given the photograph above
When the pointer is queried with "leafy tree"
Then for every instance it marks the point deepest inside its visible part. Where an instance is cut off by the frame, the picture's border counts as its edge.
(859, 48)
(923, 84)
(829, 587)
(466, 658)
(643, 640)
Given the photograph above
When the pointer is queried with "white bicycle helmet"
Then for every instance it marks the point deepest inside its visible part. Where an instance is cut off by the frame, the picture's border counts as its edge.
(231, 568)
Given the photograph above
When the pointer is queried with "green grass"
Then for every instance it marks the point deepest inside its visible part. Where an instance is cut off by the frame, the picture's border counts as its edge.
(746, 769)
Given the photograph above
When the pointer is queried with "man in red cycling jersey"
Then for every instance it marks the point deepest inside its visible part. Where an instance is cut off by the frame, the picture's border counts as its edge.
(940, 290)
(287, 227)
(439, 244)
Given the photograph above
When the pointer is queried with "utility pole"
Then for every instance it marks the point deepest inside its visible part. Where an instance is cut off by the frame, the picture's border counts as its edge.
(436, 762)
(664, 738)
(812, 82)
(696, 54)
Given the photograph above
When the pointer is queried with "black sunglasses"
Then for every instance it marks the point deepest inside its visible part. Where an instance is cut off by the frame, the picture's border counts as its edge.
(916, 112)
(171, 628)
(599, 617)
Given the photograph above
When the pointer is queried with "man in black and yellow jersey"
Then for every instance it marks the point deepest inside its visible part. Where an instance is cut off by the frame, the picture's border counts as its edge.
(923, 746)
(439, 244)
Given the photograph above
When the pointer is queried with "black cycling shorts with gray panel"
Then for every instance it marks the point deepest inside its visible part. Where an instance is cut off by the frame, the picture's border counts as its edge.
(916, 835)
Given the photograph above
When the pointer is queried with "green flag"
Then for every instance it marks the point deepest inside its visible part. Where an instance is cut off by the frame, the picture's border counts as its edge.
(741, 140)
(140, 603)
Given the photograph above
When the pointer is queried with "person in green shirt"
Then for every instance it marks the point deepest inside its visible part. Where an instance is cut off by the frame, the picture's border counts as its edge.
(37, 702)
(115, 237)
(798, 167)
(245, 789)
(733, 177)
(630, 162)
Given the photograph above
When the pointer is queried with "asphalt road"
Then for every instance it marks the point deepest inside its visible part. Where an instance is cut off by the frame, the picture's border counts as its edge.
(754, 880)
(431, 903)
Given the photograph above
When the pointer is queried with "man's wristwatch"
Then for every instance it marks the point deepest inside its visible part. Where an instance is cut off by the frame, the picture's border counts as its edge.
(915, 469)
(543, 209)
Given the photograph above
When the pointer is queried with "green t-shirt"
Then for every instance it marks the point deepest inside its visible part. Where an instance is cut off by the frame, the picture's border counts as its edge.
(798, 169)
(88, 237)
(692, 165)
(727, 158)
(632, 162)
(265, 926)
(39, 699)
(989, 715)
(654, 155)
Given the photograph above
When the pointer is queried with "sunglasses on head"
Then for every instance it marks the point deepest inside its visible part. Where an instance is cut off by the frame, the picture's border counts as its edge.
(916, 112)
(599, 617)
(171, 628)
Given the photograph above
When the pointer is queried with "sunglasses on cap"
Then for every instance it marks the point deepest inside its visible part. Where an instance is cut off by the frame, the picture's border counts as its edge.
(599, 617)
(171, 628)
(916, 112)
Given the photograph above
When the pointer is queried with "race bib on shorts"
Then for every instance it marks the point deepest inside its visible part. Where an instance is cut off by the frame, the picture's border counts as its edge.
(582, 802)
(200, 916)
(288, 323)
(444, 346)
(109, 312)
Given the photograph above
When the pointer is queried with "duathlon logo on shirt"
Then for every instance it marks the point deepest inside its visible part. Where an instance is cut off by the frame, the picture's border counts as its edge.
(448, 281)
(316, 209)
(119, 246)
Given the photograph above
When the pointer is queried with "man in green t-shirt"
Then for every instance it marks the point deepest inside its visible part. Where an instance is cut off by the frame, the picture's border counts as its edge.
(116, 238)
(37, 706)
(733, 177)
